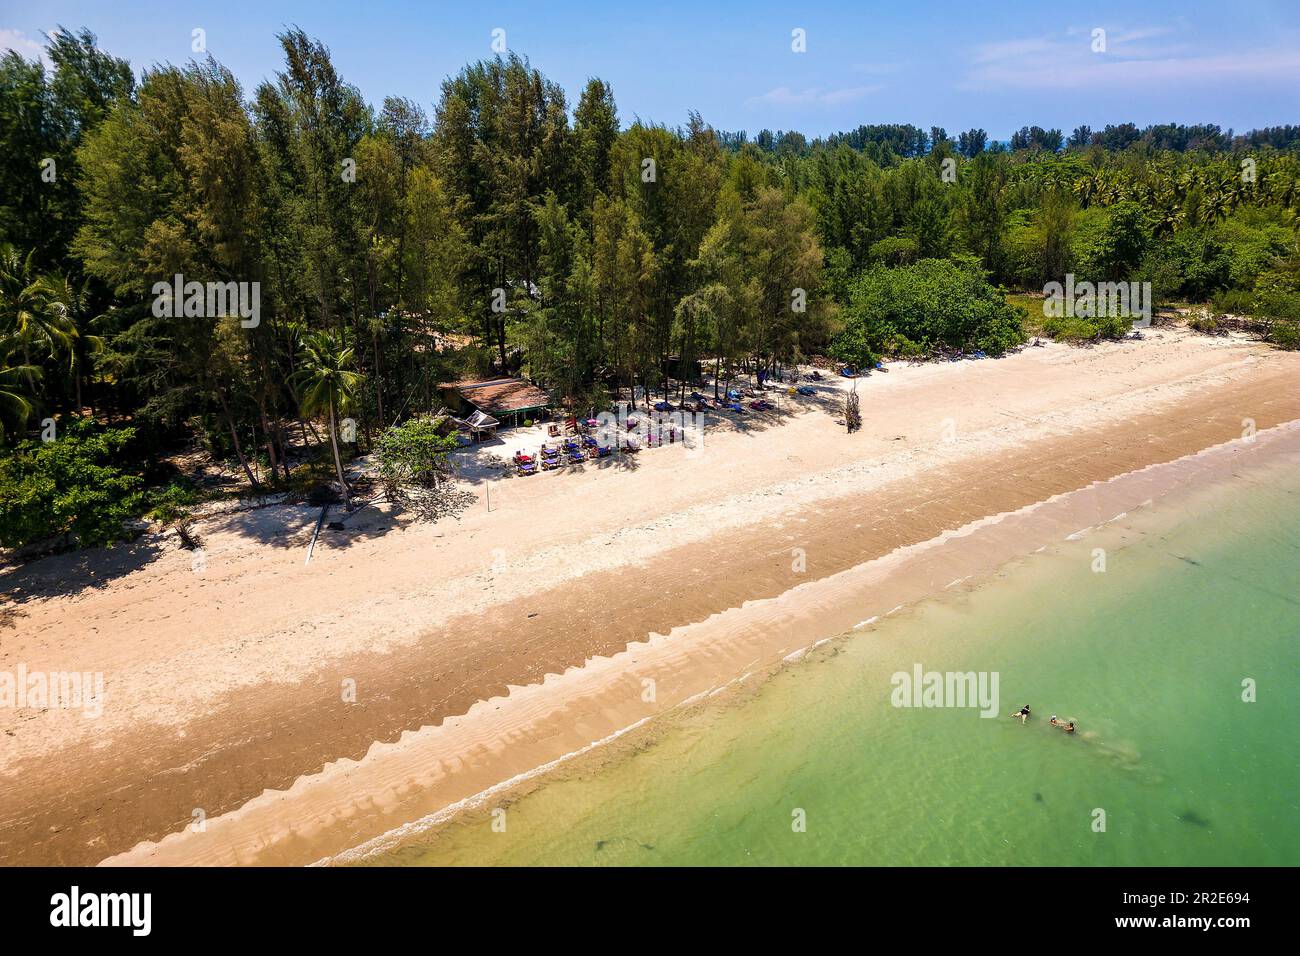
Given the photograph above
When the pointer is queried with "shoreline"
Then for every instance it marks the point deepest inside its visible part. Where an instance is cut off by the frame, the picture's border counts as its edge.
(601, 697)
(224, 688)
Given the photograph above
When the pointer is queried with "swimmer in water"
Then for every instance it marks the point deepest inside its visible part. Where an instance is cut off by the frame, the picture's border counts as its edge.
(1022, 713)
(1067, 726)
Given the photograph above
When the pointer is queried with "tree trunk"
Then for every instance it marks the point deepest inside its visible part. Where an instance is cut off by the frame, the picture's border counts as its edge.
(234, 437)
(379, 374)
(338, 462)
(270, 440)
(282, 437)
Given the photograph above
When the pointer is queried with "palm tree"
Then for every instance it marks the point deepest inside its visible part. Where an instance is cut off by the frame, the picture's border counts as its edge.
(328, 384)
(72, 303)
(28, 315)
(13, 402)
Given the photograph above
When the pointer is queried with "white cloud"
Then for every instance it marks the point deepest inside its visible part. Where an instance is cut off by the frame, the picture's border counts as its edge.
(1131, 60)
(814, 96)
(24, 45)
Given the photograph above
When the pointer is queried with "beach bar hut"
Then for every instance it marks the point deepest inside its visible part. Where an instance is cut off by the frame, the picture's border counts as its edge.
(499, 400)
(479, 425)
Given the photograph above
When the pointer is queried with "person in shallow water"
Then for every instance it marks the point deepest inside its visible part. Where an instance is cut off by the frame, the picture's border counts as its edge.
(1067, 726)
(1022, 713)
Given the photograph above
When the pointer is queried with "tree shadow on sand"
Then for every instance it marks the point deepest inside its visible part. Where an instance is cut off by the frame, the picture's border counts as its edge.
(290, 526)
(69, 574)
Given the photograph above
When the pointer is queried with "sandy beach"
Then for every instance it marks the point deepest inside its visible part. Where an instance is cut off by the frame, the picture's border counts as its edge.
(309, 712)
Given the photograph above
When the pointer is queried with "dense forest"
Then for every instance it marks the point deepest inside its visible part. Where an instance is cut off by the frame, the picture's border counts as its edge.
(510, 231)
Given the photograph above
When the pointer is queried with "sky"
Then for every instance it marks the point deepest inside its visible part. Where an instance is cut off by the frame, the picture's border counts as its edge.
(993, 64)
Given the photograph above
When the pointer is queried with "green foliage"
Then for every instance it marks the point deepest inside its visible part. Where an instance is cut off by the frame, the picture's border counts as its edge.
(414, 470)
(1080, 329)
(379, 237)
(82, 486)
(931, 306)
(414, 453)
(169, 503)
(1286, 334)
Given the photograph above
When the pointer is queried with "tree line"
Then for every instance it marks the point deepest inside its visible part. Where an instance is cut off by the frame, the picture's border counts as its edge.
(509, 231)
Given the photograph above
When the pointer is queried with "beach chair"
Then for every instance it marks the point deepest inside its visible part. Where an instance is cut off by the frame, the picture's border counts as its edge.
(604, 451)
(528, 467)
(576, 457)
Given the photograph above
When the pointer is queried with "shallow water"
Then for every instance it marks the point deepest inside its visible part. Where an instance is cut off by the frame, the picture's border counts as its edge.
(1170, 767)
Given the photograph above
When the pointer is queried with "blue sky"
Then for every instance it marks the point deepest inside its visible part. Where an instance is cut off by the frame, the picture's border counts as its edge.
(996, 65)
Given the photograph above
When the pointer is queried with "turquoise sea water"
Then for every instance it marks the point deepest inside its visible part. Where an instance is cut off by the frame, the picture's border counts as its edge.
(1149, 657)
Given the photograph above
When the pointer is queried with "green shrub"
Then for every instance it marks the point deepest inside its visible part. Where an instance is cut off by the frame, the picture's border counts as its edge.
(1076, 329)
(83, 486)
(923, 308)
(1285, 333)
(415, 472)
